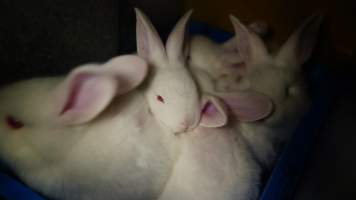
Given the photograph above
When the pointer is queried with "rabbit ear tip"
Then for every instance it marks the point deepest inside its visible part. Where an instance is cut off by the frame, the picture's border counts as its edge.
(138, 12)
(233, 18)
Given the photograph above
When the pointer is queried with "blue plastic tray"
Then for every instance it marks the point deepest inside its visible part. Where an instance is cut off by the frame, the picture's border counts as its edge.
(282, 182)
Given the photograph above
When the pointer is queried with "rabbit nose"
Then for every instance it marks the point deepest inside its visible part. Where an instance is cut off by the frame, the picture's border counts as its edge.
(182, 127)
(188, 124)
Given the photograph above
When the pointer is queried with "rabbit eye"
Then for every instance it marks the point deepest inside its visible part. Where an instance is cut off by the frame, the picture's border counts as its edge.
(13, 123)
(160, 98)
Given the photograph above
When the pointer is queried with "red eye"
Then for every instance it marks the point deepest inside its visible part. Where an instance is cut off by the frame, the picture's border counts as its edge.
(160, 98)
(13, 123)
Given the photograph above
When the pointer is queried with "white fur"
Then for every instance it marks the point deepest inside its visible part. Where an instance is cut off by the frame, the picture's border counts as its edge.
(169, 78)
(221, 61)
(276, 75)
(120, 151)
(108, 145)
(214, 163)
(123, 154)
(213, 59)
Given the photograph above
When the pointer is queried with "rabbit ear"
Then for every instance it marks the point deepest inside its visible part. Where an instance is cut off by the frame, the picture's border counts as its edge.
(259, 27)
(231, 55)
(129, 71)
(89, 89)
(177, 42)
(249, 45)
(214, 112)
(149, 44)
(248, 106)
(85, 94)
(300, 45)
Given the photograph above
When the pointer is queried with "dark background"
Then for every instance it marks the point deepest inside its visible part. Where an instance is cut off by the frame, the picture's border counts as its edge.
(42, 37)
(50, 37)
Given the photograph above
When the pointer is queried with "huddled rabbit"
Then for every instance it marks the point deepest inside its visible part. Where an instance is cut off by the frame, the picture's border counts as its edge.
(277, 74)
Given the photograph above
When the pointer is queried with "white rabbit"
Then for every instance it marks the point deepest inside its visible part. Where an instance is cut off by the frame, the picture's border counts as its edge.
(85, 136)
(216, 163)
(276, 75)
(171, 91)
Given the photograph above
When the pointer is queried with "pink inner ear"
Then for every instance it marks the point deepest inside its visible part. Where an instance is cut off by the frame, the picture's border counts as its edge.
(88, 94)
(248, 106)
(213, 114)
(74, 92)
(209, 109)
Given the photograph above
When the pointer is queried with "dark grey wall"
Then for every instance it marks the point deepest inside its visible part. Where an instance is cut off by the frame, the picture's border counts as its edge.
(50, 37)
(44, 37)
